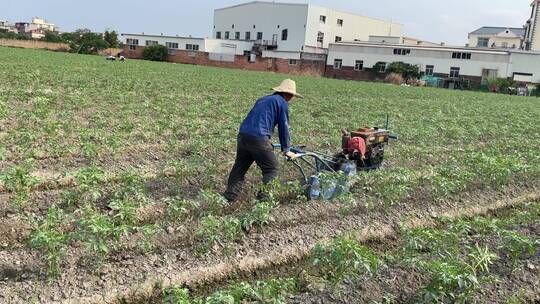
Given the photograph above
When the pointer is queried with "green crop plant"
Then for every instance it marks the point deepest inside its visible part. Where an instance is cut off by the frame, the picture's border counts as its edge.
(51, 239)
(214, 202)
(98, 232)
(455, 279)
(343, 258)
(260, 215)
(175, 295)
(270, 291)
(218, 231)
(516, 246)
(88, 181)
(19, 181)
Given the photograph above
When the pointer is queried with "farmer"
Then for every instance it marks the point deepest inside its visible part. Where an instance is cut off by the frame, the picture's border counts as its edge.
(253, 142)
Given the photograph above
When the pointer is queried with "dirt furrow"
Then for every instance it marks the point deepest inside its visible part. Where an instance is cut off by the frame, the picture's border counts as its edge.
(275, 248)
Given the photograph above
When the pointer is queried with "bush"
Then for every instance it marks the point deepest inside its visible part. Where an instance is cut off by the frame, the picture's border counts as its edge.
(156, 53)
(408, 71)
(501, 85)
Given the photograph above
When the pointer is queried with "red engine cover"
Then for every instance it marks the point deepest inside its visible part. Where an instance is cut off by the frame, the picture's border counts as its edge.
(357, 144)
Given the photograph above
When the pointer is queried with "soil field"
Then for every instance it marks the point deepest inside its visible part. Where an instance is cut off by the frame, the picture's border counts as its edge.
(110, 175)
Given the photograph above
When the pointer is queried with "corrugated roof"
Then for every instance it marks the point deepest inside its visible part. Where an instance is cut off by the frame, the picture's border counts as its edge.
(493, 30)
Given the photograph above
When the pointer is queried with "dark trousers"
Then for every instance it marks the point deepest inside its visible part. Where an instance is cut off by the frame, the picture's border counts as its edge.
(251, 149)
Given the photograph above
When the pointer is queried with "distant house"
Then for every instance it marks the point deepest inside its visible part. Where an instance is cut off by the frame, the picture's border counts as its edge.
(7, 27)
(497, 37)
(38, 27)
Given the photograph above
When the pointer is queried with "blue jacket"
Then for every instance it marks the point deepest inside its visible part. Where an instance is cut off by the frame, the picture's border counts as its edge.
(261, 121)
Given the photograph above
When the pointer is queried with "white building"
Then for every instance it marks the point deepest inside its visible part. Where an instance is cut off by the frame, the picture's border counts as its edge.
(497, 37)
(532, 35)
(350, 59)
(38, 27)
(209, 45)
(289, 27)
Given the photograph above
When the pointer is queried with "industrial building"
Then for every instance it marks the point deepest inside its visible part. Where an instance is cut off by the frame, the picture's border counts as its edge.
(356, 60)
(267, 36)
(291, 27)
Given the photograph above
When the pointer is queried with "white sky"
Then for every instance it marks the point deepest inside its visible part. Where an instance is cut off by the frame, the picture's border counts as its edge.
(434, 20)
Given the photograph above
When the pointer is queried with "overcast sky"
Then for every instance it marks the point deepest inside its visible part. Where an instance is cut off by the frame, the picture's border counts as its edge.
(435, 20)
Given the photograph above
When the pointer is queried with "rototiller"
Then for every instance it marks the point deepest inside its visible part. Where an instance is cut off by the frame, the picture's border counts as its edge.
(331, 176)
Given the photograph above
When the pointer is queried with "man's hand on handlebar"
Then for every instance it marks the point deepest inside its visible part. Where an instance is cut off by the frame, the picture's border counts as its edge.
(290, 155)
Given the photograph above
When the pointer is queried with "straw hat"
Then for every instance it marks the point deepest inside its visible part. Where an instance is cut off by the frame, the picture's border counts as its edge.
(288, 86)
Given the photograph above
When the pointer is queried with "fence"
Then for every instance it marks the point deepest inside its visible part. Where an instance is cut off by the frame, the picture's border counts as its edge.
(35, 44)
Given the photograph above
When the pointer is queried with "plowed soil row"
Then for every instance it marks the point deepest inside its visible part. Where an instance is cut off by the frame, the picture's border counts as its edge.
(131, 274)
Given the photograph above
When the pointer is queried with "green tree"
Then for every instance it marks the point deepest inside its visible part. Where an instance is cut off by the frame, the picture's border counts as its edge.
(408, 71)
(111, 37)
(52, 37)
(156, 53)
(83, 41)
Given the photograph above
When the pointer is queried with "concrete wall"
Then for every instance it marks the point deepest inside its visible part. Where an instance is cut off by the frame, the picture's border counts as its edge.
(35, 44)
(278, 65)
(440, 58)
(526, 64)
(266, 17)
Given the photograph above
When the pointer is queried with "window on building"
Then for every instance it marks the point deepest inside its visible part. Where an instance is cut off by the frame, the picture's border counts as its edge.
(131, 41)
(359, 65)
(254, 26)
(284, 34)
(227, 35)
(505, 44)
(320, 37)
(340, 22)
(192, 47)
(151, 42)
(338, 63)
(322, 19)
(259, 35)
(218, 35)
(248, 35)
(293, 62)
(403, 52)
(454, 72)
(458, 55)
(483, 42)
(429, 70)
(381, 67)
(338, 39)
(237, 35)
(132, 47)
(171, 45)
(233, 26)
(171, 52)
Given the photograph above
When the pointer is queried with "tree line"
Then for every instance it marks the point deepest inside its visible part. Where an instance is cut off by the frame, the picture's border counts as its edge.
(82, 41)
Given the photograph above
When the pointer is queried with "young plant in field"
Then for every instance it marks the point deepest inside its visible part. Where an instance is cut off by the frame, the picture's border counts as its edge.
(50, 238)
(89, 181)
(213, 202)
(260, 215)
(97, 231)
(176, 295)
(343, 258)
(269, 291)
(218, 231)
(455, 279)
(19, 181)
(516, 246)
